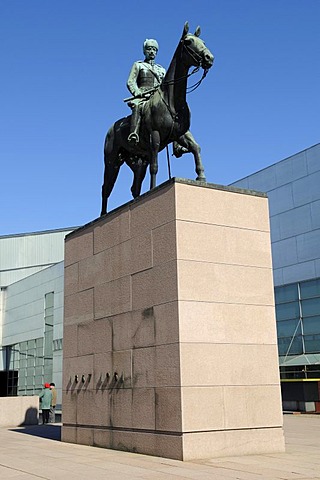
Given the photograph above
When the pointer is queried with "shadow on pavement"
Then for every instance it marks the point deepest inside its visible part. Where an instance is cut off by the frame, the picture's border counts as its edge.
(52, 432)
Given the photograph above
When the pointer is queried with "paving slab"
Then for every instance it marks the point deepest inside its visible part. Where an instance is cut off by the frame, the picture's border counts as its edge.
(36, 452)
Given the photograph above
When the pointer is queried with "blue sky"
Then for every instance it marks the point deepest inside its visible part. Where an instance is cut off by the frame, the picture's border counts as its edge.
(64, 66)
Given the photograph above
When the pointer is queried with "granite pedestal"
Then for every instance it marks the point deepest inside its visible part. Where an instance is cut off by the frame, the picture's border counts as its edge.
(169, 326)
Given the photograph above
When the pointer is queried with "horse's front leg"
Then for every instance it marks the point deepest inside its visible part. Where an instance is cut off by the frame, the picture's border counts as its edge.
(155, 145)
(138, 176)
(188, 144)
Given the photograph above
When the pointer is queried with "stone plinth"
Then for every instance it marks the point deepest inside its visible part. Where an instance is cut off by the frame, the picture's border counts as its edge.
(169, 328)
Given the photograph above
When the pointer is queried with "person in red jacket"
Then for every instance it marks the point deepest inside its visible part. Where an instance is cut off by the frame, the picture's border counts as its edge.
(45, 400)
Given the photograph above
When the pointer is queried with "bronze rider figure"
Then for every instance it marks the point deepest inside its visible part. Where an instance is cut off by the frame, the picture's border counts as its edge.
(144, 78)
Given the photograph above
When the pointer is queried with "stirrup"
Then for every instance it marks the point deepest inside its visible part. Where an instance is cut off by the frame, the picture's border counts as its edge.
(133, 138)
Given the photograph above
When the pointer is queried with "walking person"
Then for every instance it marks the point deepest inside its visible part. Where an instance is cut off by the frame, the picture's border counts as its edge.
(45, 400)
(52, 416)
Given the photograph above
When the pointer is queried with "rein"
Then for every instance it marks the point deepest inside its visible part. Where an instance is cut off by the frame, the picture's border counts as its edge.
(197, 58)
(173, 82)
(194, 87)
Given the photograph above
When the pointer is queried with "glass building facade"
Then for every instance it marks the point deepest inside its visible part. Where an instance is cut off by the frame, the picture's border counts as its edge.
(298, 327)
(26, 367)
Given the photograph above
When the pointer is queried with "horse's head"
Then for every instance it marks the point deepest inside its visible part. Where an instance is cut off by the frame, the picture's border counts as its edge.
(194, 50)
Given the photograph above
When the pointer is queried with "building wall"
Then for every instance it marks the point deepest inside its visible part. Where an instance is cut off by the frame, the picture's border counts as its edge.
(31, 310)
(26, 314)
(293, 190)
(25, 254)
(2, 353)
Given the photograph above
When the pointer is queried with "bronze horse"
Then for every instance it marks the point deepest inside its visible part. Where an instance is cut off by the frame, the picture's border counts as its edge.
(165, 119)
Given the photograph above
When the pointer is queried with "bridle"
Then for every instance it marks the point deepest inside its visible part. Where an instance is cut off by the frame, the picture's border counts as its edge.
(197, 58)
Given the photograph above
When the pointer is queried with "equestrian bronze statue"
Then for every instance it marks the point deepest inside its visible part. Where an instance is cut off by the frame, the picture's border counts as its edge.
(161, 117)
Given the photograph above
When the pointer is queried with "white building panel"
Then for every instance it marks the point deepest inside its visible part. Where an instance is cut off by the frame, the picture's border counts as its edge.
(280, 199)
(306, 190)
(308, 246)
(275, 228)
(315, 214)
(295, 222)
(294, 205)
(299, 272)
(262, 181)
(317, 267)
(313, 159)
(291, 169)
(24, 312)
(25, 254)
(278, 276)
(284, 252)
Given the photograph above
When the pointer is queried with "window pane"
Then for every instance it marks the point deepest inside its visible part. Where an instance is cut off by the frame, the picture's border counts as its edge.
(310, 289)
(30, 361)
(49, 320)
(283, 345)
(31, 344)
(313, 371)
(287, 311)
(312, 343)
(23, 362)
(311, 325)
(39, 352)
(295, 346)
(49, 299)
(39, 361)
(38, 371)
(288, 293)
(49, 312)
(287, 328)
(38, 382)
(48, 372)
(292, 372)
(310, 307)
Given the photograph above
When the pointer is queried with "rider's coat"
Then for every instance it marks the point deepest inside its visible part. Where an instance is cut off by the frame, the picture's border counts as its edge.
(143, 77)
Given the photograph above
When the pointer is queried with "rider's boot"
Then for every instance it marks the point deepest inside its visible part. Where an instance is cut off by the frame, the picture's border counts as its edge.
(133, 137)
(179, 150)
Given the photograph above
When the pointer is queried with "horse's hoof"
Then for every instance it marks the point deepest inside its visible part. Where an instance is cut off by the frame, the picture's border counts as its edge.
(201, 179)
(179, 151)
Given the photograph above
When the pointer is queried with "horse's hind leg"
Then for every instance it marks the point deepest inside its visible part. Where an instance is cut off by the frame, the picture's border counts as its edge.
(112, 164)
(188, 142)
(111, 172)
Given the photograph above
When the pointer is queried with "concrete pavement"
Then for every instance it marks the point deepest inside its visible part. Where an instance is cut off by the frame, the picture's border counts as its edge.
(36, 453)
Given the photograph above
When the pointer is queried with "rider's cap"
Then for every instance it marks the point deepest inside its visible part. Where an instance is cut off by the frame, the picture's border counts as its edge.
(150, 42)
